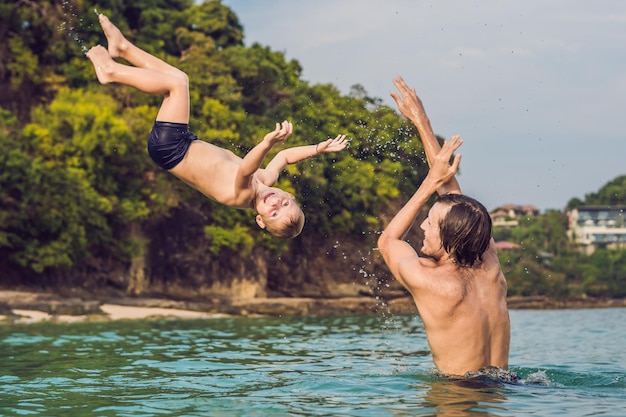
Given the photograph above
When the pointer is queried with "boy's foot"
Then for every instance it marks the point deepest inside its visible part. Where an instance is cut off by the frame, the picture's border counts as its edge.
(102, 63)
(117, 43)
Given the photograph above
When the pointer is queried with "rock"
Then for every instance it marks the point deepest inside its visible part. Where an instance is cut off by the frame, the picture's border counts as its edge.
(73, 307)
(5, 310)
(350, 290)
(48, 303)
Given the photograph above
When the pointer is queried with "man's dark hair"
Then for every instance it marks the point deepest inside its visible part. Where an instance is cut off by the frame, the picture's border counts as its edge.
(466, 229)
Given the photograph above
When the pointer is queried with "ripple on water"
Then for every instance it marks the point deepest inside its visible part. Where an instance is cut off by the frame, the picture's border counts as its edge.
(353, 366)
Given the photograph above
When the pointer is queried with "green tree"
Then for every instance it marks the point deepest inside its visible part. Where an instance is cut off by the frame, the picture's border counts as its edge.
(537, 267)
(612, 193)
(77, 183)
(605, 274)
(41, 224)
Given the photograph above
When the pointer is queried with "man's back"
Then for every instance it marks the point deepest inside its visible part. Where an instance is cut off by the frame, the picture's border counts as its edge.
(464, 312)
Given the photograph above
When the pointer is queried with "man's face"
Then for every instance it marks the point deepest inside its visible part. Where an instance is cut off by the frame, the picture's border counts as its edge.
(432, 245)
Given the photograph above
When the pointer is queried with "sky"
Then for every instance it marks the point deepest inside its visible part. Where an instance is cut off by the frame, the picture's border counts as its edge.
(536, 88)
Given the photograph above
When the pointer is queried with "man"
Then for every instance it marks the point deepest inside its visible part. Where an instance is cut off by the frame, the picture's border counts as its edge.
(217, 173)
(456, 282)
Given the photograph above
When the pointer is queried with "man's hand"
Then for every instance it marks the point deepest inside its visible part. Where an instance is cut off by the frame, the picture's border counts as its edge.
(280, 134)
(409, 104)
(442, 170)
(332, 145)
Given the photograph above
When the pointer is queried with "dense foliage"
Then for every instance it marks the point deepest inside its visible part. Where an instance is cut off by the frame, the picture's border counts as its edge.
(76, 184)
(76, 180)
(547, 263)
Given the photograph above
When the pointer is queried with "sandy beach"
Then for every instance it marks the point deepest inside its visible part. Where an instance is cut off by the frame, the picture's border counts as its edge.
(23, 307)
(110, 312)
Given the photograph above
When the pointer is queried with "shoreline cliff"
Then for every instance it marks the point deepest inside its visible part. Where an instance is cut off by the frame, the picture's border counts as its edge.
(17, 307)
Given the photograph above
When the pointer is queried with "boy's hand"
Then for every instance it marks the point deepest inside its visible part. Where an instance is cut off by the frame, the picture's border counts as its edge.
(280, 134)
(332, 145)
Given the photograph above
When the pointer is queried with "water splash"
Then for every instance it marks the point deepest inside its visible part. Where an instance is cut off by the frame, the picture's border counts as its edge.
(75, 26)
(538, 378)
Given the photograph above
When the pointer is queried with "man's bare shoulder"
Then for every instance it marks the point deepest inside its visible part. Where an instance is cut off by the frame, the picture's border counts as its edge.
(490, 263)
(426, 274)
(417, 265)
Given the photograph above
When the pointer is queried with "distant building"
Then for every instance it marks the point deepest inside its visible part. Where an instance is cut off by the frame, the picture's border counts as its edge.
(508, 215)
(591, 227)
(506, 245)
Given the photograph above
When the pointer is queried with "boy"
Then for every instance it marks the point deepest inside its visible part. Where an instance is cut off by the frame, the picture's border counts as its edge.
(216, 172)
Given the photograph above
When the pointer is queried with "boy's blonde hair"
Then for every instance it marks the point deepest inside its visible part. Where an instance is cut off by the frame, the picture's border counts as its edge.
(289, 229)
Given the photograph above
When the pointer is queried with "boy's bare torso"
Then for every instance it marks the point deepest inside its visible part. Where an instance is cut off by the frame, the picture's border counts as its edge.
(212, 170)
(464, 312)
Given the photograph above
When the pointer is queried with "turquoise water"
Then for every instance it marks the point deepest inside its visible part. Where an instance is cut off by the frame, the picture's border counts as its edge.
(573, 363)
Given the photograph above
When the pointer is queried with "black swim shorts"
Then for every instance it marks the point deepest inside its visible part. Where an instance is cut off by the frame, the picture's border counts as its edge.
(168, 143)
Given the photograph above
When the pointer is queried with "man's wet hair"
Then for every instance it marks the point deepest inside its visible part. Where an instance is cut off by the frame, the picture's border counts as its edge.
(465, 229)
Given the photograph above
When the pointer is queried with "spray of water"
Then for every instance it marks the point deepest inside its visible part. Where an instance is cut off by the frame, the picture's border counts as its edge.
(75, 26)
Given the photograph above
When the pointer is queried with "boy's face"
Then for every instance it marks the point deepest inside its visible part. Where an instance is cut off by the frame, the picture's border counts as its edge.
(276, 207)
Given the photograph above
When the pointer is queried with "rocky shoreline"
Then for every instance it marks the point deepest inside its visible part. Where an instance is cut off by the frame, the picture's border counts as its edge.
(18, 307)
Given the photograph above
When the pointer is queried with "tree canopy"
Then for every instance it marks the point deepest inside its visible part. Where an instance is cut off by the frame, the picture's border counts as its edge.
(76, 182)
(76, 177)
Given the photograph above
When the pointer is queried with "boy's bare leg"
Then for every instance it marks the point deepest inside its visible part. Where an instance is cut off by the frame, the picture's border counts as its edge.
(150, 74)
(119, 46)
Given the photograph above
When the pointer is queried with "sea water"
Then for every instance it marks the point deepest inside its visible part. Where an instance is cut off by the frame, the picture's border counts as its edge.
(572, 363)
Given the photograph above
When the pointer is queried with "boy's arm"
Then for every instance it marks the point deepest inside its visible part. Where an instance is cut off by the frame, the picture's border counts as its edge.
(300, 153)
(253, 159)
(412, 108)
(391, 241)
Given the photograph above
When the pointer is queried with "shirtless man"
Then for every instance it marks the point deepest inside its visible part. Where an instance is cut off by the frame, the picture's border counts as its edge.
(456, 282)
(217, 173)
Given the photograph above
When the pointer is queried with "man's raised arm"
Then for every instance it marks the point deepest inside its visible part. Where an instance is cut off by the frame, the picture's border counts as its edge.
(412, 108)
(391, 241)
